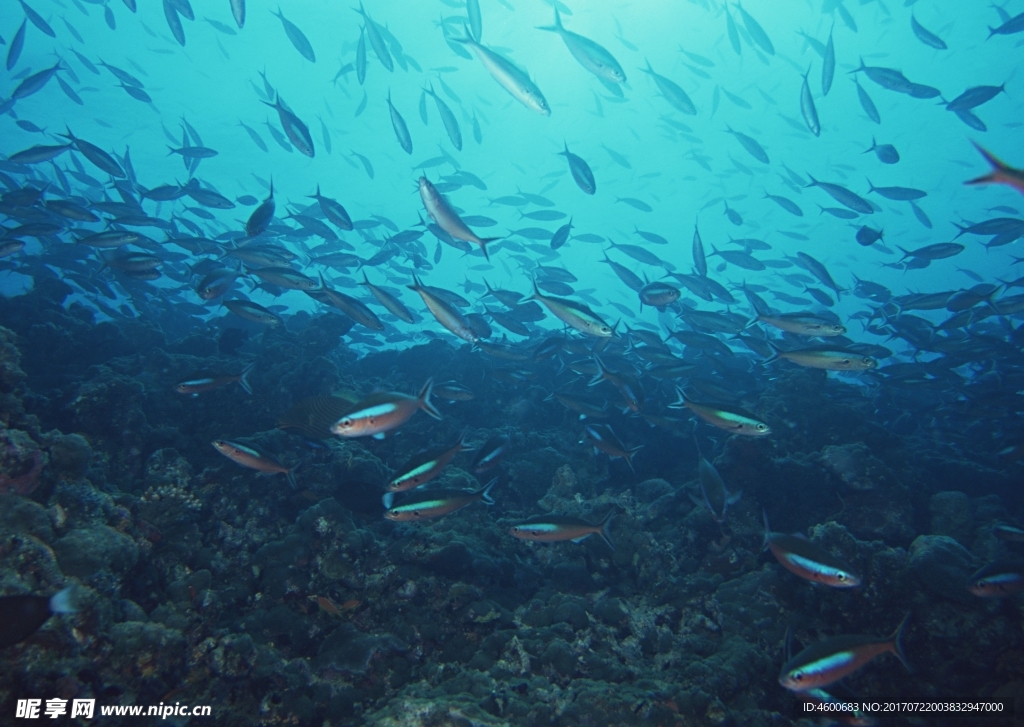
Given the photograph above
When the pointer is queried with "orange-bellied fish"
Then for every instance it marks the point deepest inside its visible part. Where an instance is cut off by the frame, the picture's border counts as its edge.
(445, 313)
(998, 580)
(723, 416)
(1001, 173)
(435, 503)
(424, 467)
(556, 528)
(604, 439)
(442, 213)
(575, 315)
(198, 385)
(832, 659)
(800, 556)
(251, 458)
(383, 411)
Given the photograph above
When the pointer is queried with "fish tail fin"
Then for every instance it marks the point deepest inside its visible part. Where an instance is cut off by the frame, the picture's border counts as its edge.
(484, 241)
(557, 27)
(243, 380)
(629, 456)
(62, 601)
(897, 642)
(999, 167)
(680, 402)
(767, 529)
(605, 524)
(464, 444)
(425, 402)
(602, 372)
(874, 144)
(290, 475)
(485, 492)
(860, 68)
(776, 353)
(387, 500)
(366, 280)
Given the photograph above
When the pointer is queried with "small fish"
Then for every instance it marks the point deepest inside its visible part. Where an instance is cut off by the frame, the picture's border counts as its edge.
(574, 314)
(510, 77)
(383, 411)
(488, 455)
(605, 440)
(580, 170)
(424, 467)
(829, 359)
(23, 615)
(712, 488)
(446, 313)
(830, 660)
(1009, 533)
(253, 459)
(803, 324)
(800, 556)
(997, 580)
(592, 56)
(724, 416)
(558, 528)
(436, 503)
(195, 387)
(453, 391)
(445, 216)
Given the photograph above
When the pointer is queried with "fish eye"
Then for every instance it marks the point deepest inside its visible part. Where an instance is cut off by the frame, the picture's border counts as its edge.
(841, 577)
(761, 427)
(798, 676)
(345, 423)
(416, 513)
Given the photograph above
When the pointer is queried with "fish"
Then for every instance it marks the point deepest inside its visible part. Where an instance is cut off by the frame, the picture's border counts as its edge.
(453, 391)
(510, 77)
(724, 416)
(807, 107)
(828, 65)
(199, 385)
(400, 127)
(294, 128)
(424, 467)
(997, 580)
(437, 503)
(832, 659)
(592, 56)
(603, 439)
(830, 359)
(445, 217)
(393, 304)
(926, 36)
(451, 124)
(384, 411)
(238, 12)
(1001, 173)
(750, 144)
(580, 170)
(490, 453)
(673, 93)
(254, 459)
(575, 315)
(756, 32)
(802, 324)
(352, 307)
(296, 36)
(23, 615)
(377, 42)
(558, 528)
(717, 497)
(803, 558)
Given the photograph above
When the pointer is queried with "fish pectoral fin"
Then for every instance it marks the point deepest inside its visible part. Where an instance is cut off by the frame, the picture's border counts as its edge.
(379, 435)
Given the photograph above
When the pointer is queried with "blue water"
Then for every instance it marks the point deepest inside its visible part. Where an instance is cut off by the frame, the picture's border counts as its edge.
(951, 433)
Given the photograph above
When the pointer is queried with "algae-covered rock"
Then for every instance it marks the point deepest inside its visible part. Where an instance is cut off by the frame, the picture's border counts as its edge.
(22, 515)
(942, 566)
(85, 552)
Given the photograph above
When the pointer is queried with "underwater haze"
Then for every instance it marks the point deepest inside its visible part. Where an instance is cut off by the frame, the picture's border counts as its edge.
(511, 362)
